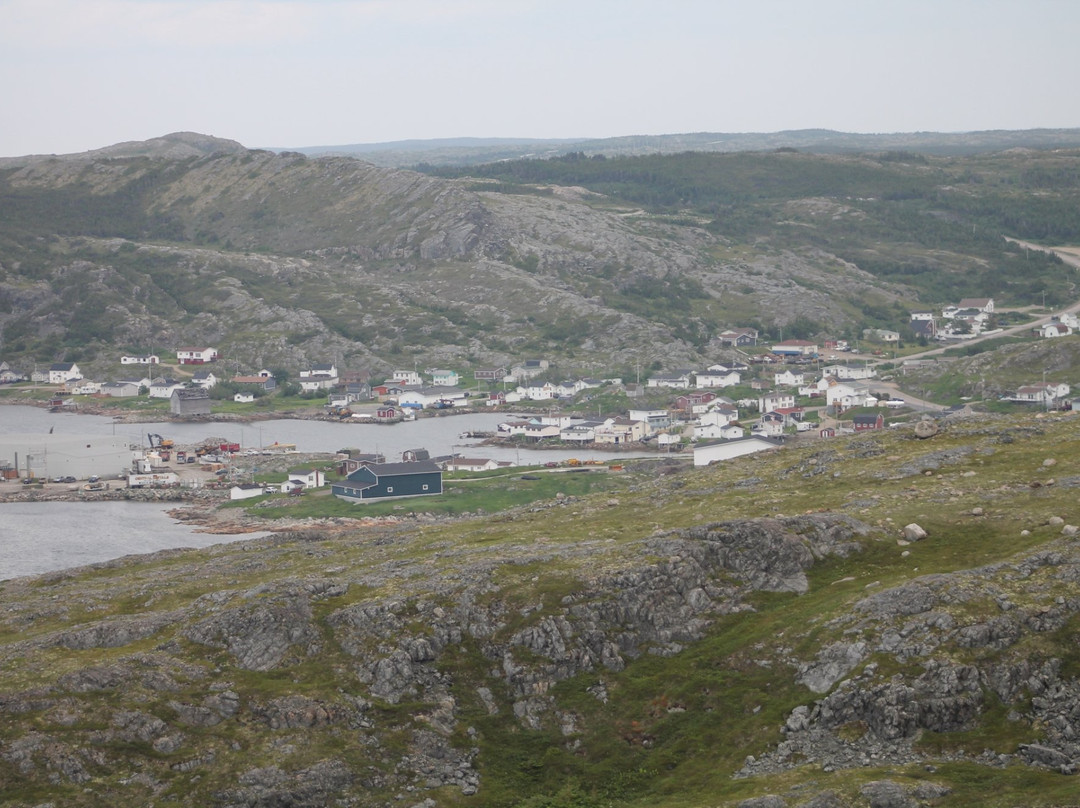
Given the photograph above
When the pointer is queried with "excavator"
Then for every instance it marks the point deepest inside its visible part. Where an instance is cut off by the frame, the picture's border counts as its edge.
(158, 442)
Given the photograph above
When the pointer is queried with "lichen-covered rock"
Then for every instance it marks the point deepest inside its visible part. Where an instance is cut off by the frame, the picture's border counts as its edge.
(262, 631)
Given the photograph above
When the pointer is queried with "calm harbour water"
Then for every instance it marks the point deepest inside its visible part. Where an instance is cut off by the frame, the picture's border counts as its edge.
(39, 537)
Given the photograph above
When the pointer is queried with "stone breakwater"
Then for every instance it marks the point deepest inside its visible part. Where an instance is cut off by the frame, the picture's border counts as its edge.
(118, 492)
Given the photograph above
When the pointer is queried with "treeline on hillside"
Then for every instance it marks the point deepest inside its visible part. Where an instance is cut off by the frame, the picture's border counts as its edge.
(908, 210)
(1031, 196)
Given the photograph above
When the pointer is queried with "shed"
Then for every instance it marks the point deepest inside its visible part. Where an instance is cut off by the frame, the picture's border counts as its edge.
(189, 402)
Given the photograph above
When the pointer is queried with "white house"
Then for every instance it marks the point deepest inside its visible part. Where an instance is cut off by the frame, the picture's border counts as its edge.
(789, 379)
(718, 431)
(319, 369)
(163, 388)
(1053, 330)
(243, 398)
(817, 387)
(543, 391)
(303, 478)
(147, 359)
(850, 394)
(719, 417)
(667, 440)
(63, 372)
(568, 388)
(539, 431)
(445, 378)
(85, 387)
(726, 367)
(120, 389)
(471, 464)
(527, 369)
(196, 355)
(620, 431)
(581, 432)
(204, 379)
(983, 304)
(1040, 392)
(246, 491)
(795, 347)
(8, 374)
(316, 381)
(881, 335)
(775, 401)
(717, 378)
(511, 428)
(849, 372)
(408, 378)
(677, 381)
(706, 453)
(1068, 319)
(653, 419)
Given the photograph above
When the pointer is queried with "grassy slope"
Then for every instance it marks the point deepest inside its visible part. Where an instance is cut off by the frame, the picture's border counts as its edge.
(674, 729)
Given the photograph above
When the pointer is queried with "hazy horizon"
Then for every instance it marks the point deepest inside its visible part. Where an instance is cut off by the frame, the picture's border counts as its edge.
(78, 75)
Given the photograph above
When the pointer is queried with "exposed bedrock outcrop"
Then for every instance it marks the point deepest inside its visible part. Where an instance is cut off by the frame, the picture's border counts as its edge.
(964, 642)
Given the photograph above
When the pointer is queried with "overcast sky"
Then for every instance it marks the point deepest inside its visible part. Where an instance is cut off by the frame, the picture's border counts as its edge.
(82, 74)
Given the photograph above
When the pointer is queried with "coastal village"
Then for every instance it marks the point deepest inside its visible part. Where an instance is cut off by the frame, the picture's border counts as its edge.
(760, 396)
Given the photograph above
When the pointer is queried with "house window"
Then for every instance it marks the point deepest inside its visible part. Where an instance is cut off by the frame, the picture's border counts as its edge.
(389, 489)
(425, 486)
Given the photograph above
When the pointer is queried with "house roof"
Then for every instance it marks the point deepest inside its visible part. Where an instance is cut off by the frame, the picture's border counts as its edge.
(866, 419)
(729, 441)
(190, 395)
(436, 390)
(62, 366)
(399, 469)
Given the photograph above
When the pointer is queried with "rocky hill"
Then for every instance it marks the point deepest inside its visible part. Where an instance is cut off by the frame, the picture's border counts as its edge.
(882, 620)
(175, 146)
(280, 259)
(602, 266)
